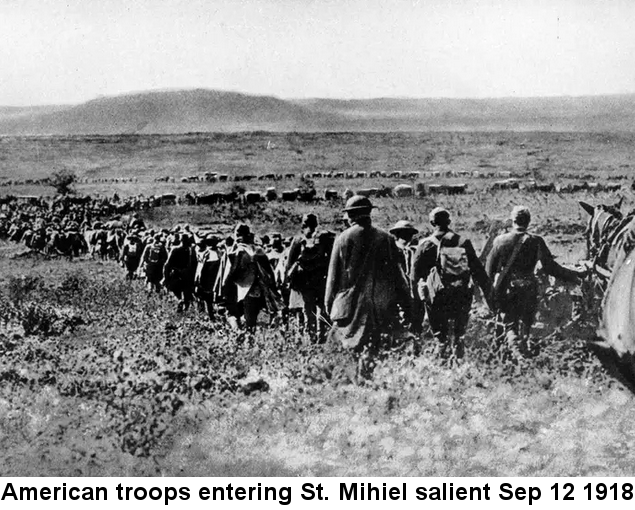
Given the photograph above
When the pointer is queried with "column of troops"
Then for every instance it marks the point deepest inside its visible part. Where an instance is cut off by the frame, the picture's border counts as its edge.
(358, 288)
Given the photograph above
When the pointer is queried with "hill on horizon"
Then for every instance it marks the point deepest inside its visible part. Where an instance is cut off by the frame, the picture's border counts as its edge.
(204, 110)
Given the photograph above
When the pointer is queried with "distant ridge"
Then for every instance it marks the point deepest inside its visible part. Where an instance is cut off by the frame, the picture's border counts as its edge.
(204, 110)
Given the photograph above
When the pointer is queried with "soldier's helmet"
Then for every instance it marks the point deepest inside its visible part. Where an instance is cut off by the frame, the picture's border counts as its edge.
(212, 240)
(358, 205)
(403, 228)
(439, 216)
(310, 220)
(242, 231)
(521, 215)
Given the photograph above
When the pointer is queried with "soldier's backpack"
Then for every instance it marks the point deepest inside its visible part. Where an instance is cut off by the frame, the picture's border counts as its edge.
(154, 254)
(311, 265)
(134, 248)
(450, 276)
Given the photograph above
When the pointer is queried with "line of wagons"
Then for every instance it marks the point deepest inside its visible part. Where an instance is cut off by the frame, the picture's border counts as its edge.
(419, 189)
(399, 191)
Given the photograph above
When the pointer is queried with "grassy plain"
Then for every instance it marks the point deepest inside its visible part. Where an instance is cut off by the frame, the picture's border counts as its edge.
(100, 378)
(148, 156)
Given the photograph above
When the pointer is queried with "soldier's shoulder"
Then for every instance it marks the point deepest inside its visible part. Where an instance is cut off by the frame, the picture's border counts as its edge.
(536, 239)
(379, 232)
(426, 241)
(504, 239)
(349, 233)
(326, 235)
(463, 240)
(506, 236)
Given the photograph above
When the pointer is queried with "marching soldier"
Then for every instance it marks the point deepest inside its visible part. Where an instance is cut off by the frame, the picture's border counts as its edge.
(131, 252)
(152, 262)
(207, 266)
(178, 272)
(275, 249)
(441, 277)
(365, 285)
(511, 265)
(249, 279)
(404, 231)
(306, 270)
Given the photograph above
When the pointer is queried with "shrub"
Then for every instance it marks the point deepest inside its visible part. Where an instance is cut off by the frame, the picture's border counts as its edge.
(21, 287)
(63, 181)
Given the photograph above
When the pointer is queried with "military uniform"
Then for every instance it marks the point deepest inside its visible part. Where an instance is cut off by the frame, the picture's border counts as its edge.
(454, 303)
(207, 266)
(152, 262)
(517, 295)
(131, 254)
(306, 270)
(248, 280)
(404, 231)
(365, 285)
(179, 271)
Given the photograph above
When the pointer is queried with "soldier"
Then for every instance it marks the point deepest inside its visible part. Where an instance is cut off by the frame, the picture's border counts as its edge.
(179, 269)
(275, 248)
(152, 262)
(131, 252)
(511, 265)
(249, 280)
(77, 243)
(404, 231)
(365, 285)
(441, 277)
(305, 273)
(207, 266)
(114, 242)
(99, 238)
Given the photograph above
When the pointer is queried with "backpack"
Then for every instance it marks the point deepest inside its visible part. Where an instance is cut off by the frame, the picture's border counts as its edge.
(311, 266)
(450, 275)
(133, 248)
(154, 255)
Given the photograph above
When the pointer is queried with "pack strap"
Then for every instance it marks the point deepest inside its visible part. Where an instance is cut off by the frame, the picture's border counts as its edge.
(510, 261)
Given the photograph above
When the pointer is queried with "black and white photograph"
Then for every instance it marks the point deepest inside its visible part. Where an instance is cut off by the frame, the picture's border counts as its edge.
(317, 238)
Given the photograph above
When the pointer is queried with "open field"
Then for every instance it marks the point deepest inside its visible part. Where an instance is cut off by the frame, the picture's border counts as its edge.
(100, 378)
(150, 156)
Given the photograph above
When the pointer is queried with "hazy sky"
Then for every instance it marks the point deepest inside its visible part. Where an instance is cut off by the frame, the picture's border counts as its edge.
(65, 51)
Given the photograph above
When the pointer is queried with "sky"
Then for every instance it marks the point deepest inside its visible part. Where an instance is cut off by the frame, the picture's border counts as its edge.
(71, 51)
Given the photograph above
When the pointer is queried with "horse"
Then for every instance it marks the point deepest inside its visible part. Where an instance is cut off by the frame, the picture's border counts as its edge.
(610, 236)
(611, 246)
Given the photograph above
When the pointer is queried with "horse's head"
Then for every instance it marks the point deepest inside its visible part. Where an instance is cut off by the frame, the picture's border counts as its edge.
(614, 209)
(603, 220)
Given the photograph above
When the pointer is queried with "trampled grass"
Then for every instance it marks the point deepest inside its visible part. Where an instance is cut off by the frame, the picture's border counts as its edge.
(138, 389)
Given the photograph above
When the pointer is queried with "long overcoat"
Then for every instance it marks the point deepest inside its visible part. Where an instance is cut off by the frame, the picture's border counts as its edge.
(365, 285)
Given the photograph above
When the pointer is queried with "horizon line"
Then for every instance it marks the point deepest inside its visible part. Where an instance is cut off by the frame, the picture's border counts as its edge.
(318, 98)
